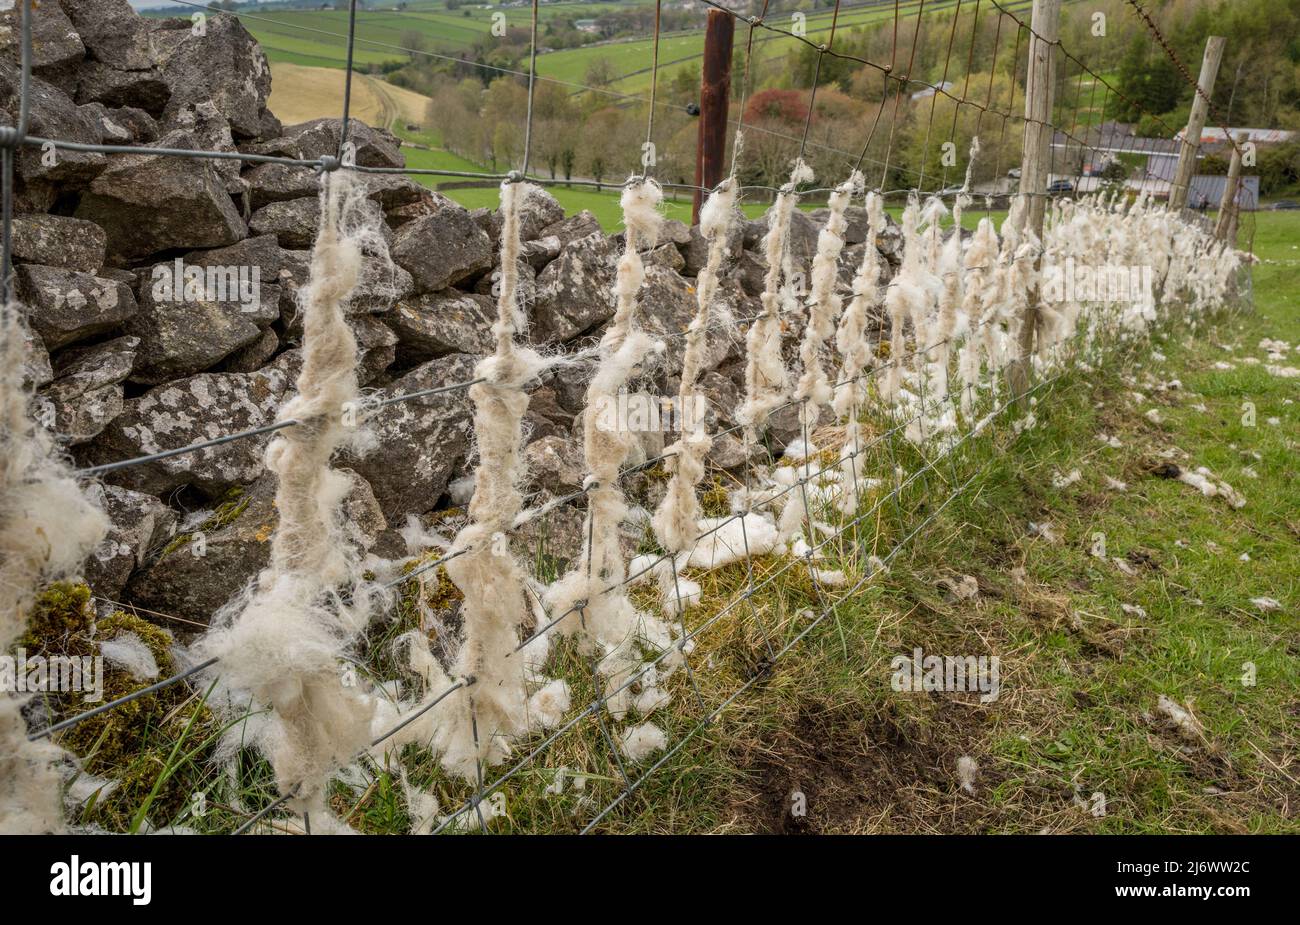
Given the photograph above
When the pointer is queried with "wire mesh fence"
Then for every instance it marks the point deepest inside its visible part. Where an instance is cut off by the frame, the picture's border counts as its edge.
(880, 478)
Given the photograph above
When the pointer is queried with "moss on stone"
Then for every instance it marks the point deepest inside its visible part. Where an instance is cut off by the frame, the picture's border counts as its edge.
(229, 510)
(130, 743)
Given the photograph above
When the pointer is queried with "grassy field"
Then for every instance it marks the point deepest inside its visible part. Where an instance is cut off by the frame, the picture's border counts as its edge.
(317, 38)
(300, 94)
(634, 59)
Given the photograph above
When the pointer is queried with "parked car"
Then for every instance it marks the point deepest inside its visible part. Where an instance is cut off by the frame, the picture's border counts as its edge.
(1059, 187)
(1285, 205)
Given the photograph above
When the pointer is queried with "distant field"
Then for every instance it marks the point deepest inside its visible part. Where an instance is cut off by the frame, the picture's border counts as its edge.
(317, 38)
(634, 59)
(300, 93)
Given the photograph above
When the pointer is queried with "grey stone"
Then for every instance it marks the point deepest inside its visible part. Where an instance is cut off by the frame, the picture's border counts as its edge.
(696, 250)
(293, 222)
(525, 290)
(184, 332)
(235, 546)
(79, 370)
(111, 31)
(149, 203)
(53, 114)
(66, 306)
(37, 370)
(56, 47)
(555, 463)
(538, 210)
(58, 241)
(211, 131)
(666, 256)
(438, 323)
(251, 357)
(380, 286)
(188, 411)
(442, 249)
(122, 125)
(420, 441)
(667, 306)
(138, 523)
(98, 82)
(81, 419)
(540, 252)
(319, 137)
(376, 347)
(579, 225)
(574, 291)
(224, 66)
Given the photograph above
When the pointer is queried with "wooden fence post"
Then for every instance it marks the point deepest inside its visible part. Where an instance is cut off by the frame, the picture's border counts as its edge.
(1228, 204)
(1196, 123)
(715, 94)
(1040, 85)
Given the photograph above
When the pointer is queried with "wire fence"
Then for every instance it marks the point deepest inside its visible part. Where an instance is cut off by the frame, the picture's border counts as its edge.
(759, 609)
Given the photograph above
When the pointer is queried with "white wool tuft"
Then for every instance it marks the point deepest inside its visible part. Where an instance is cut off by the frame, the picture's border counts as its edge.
(287, 648)
(728, 539)
(477, 730)
(1180, 717)
(128, 652)
(47, 528)
(766, 379)
(550, 704)
(814, 388)
(1066, 480)
(967, 768)
(678, 514)
(640, 742)
(591, 600)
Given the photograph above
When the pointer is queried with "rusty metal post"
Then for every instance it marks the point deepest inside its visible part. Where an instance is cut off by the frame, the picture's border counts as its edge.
(715, 94)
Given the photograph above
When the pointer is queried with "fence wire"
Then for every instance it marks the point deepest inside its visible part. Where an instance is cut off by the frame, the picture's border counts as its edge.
(848, 543)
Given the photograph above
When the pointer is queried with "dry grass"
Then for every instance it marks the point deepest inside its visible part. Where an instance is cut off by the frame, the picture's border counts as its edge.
(300, 94)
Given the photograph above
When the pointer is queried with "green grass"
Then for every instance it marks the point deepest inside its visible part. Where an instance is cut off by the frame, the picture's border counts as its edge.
(633, 59)
(1080, 677)
(318, 37)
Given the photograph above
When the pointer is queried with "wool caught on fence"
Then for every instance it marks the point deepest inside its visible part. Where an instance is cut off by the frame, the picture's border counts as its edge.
(286, 647)
(813, 390)
(592, 596)
(767, 381)
(905, 299)
(47, 529)
(677, 520)
(857, 354)
(477, 731)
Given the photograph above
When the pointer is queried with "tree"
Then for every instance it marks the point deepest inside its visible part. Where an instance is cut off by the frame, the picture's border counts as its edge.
(416, 43)
(600, 73)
